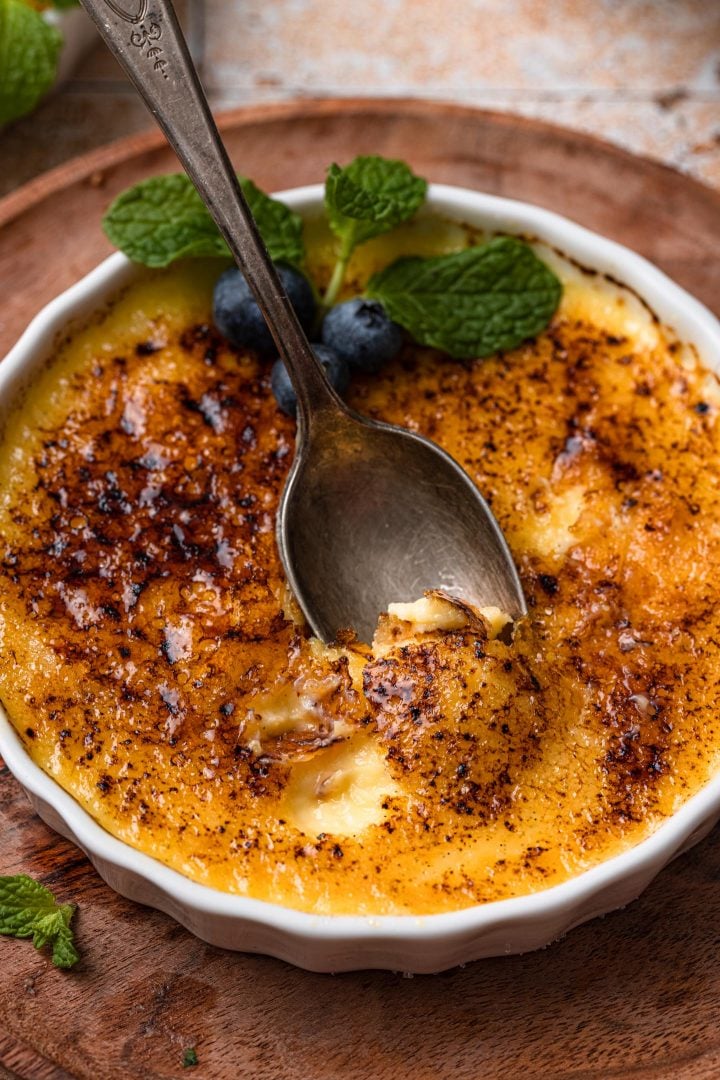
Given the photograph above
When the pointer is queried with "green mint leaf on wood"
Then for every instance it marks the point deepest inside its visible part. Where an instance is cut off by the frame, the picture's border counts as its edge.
(189, 1058)
(474, 302)
(46, 928)
(64, 953)
(29, 50)
(370, 196)
(29, 910)
(163, 219)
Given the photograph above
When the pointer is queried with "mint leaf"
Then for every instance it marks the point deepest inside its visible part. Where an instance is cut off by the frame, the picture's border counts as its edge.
(46, 928)
(471, 303)
(28, 909)
(29, 50)
(163, 219)
(64, 953)
(189, 1058)
(160, 220)
(370, 196)
(23, 902)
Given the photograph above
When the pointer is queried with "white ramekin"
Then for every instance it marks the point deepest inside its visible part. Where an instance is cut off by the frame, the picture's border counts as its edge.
(402, 943)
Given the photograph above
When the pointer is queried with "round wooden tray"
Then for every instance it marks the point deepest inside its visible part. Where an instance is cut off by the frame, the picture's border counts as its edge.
(635, 994)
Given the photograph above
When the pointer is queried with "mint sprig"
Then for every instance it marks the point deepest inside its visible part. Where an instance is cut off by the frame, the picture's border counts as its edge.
(163, 219)
(370, 196)
(29, 51)
(28, 909)
(471, 303)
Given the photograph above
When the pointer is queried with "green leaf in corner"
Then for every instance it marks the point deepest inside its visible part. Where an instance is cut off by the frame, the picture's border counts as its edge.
(370, 196)
(163, 219)
(28, 909)
(29, 50)
(64, 953)
(474, 302)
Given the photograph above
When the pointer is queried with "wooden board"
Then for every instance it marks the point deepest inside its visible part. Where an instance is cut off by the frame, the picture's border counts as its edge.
(635, 994)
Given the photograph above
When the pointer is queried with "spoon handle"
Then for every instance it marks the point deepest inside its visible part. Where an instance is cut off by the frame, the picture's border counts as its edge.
(145, 37)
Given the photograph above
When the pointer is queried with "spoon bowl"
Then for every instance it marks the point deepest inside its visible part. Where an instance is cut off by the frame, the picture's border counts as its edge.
(373, 513)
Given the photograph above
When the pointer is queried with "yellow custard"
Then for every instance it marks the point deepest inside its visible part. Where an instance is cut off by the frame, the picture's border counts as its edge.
(153, 663)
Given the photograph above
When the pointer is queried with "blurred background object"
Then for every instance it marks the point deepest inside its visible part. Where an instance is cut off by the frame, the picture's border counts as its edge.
(642, 73)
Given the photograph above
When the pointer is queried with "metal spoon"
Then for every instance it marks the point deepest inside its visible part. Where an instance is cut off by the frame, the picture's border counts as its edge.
(370, 513)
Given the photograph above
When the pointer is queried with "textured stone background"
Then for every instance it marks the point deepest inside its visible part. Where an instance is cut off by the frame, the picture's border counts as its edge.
(643, 73)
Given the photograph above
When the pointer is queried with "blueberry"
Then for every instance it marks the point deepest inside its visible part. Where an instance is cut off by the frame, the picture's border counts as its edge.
(336, 369)
(237, 316)
(361, 333)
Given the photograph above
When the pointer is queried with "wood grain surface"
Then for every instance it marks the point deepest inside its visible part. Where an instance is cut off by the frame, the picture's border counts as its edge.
(636, 994)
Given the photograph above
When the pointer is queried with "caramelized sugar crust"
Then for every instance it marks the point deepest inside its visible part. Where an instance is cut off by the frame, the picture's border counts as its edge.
(151, 663)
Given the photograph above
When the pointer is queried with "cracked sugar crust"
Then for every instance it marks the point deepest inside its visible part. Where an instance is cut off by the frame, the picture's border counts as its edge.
(150, 661)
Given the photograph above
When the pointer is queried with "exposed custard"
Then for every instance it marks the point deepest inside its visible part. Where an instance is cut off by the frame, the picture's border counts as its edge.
(152, 662)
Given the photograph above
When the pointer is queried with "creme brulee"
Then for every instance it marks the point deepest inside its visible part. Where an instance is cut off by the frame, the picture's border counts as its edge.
(153, 664)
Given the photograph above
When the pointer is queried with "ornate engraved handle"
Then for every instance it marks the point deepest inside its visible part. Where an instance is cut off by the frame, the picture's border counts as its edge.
(147, 40)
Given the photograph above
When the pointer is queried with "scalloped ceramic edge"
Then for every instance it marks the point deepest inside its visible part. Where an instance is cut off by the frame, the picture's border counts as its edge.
(402, 943)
